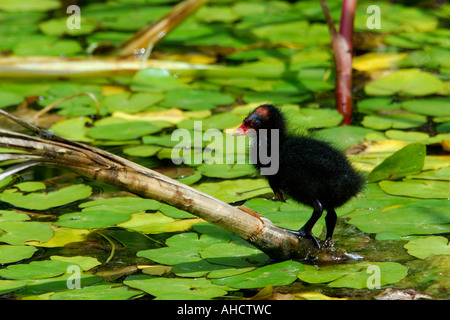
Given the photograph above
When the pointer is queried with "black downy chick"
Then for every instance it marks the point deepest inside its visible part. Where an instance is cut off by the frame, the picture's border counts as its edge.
(310, 171)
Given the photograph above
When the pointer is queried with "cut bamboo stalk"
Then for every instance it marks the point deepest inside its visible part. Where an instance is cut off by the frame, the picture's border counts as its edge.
(150, 35)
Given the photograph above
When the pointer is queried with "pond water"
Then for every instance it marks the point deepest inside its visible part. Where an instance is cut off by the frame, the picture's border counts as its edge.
(60, 231)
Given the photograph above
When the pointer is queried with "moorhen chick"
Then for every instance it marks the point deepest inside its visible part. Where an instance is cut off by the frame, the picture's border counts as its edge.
(310, 171)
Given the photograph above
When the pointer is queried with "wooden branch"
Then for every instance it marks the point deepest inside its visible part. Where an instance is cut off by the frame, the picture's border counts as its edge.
(106, 167)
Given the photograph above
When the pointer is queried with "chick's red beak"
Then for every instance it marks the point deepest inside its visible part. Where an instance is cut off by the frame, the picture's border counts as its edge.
(241, 131)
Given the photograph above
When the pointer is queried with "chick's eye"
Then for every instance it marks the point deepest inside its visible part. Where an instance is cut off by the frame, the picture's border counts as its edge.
(256, 123)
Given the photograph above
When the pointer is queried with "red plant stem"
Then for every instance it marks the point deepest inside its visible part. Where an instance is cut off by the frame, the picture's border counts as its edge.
(342, 46)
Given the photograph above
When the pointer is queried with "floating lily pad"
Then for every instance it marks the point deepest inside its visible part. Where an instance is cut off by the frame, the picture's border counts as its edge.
(354, 275)
(29, 5)
(226, 171)
(196, 99)
(9, 99)
(235, 190)
(235, 253)
(408, 160)
(426, 189)
(47, 47)
(59, 27)
(73, 129)
(91, 219)
(131, 103)
(18, 232)
(431, 107)
(156, 80)
(396, 121)
(314, 118)
(422, 248)
(439, 174)
(9, 253)
(410, 82)
(122, 131)
(85, 263)
(343, 137)
(278, 274)
(176, 289)
(30, 186)
(97, 292)
(43, 201)
(11, 285)
(35, 270)
(182, 248)
(157, 223)
(424, 217)
(121, 204)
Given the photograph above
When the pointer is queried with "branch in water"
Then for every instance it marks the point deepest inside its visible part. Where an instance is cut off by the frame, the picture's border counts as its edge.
(106, 167)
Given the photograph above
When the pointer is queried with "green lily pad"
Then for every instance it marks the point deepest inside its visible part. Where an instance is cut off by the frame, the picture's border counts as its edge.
(235, 253)
(216, 14)
(226, 171)
(430, 107)
(196, 99)
(48, 286)
(13, 216)
(235, 190)
(97, 292)
(439, 174)
(420, 217)
(9, 254)
(409, 82)
(131, 103)
(58, 27)
(396, 121)
(92, 219)
(278, 274)
(176, 289)
(18, 232)
(142, 151)
(122, 131)
(85, 263)
(11, 285)
(29, 5)
(426, 189)
(182, 248)
(407, 136)
(156, 80)
(376, 104)
(30, 186)
(47, 47)
(354, 275)
(43, 201)
(218, 121)
(343, 137)
(35, 270)
(313, 118)
(422, 248)
(9, 99)
(121, 205)
(73, 129)
(408, 160)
